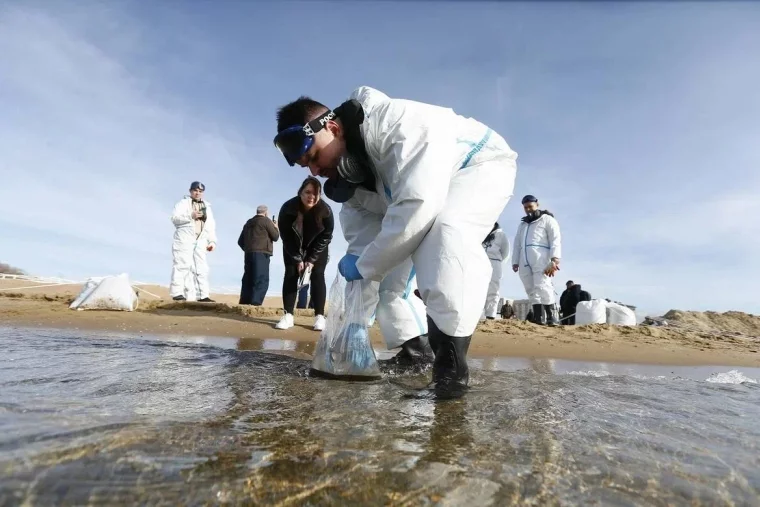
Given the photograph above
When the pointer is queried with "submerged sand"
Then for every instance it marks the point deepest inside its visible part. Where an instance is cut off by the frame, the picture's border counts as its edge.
(691, 338)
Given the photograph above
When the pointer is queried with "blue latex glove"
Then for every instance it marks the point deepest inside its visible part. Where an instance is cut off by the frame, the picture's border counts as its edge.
(347, 268)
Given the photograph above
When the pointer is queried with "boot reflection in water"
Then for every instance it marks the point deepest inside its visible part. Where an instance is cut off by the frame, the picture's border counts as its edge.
(450, 434)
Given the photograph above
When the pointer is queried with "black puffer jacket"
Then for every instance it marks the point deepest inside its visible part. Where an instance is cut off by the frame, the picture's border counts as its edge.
(310, 243)
(569, 300)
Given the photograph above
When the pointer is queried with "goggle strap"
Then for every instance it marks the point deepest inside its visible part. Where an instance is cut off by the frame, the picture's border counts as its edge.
(318, 123)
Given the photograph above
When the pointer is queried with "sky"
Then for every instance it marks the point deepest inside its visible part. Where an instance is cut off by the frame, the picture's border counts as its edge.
(636, 124)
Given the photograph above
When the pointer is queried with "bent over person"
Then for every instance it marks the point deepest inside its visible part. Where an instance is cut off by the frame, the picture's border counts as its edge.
(306, 228)
(443, 180)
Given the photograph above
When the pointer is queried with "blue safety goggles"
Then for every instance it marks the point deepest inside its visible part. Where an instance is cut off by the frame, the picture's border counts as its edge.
(296, 140)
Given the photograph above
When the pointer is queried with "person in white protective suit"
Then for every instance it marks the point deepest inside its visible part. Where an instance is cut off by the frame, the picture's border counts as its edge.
(195, 234)
(400, 314)
(536, 257)
(496, 246)
(443, 179)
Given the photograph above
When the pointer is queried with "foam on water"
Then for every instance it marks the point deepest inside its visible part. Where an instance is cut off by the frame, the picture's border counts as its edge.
(590, 373)
(731, 377)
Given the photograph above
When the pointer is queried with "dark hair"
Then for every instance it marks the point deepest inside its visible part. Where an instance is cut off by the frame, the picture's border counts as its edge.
(321, 210)
(570, 282)
(299, 112)
(311, 180)
(492, 234)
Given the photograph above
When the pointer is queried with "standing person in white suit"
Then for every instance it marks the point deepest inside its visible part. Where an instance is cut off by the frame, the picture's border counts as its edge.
(536, 257)
(195, 235)
(496, 246)
(443, 178)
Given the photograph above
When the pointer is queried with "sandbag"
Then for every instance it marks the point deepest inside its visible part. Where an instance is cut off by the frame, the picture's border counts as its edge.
(108, 293)
(619, 315)
(344, 349)
(591, 312)
(89, 286)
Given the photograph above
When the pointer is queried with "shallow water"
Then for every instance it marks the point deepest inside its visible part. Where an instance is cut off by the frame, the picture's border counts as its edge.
(104, 418)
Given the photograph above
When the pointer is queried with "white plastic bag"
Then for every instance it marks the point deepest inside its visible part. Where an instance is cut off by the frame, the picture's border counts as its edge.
(89, 286)
(110, 293)
(305, 278)
(344, 348)
(591, 312)
(619, 315)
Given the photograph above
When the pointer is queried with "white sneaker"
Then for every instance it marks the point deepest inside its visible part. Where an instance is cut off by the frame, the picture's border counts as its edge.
(286, 322)
(319, 323)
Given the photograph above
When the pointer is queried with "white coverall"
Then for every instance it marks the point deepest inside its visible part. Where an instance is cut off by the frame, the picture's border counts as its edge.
(536, 244)
(444, 179)
(497, 251)
(400, 314)
(189, 268)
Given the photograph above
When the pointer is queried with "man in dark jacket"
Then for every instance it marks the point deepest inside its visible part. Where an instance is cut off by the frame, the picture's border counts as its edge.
(256, 241)
(568, 301)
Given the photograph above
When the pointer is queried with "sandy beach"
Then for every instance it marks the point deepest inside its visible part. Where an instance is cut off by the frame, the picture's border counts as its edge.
(690, 339)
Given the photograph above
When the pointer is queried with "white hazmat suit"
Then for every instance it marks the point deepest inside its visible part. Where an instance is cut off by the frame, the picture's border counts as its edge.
(190, 269)
(536, 244)
(497, 251)
(400, 314)
(444, 179)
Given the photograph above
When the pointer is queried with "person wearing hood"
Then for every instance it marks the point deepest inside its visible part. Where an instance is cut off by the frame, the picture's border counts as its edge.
(441, 179)
(256, 241)
(194, 235)
(536, 257)
(400, 316)
(496, 246)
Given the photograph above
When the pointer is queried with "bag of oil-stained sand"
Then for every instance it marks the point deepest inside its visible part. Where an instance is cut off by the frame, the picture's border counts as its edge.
(107, 293)
(619, 315)
(591, 312)
(344, 349)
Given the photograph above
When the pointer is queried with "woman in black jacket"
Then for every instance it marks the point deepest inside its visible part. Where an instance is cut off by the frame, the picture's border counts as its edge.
(306, 229)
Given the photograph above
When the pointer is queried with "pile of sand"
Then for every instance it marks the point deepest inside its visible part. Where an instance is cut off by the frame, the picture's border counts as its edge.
(714, 322)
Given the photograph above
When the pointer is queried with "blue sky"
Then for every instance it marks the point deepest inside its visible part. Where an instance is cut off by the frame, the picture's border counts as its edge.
(636, 124)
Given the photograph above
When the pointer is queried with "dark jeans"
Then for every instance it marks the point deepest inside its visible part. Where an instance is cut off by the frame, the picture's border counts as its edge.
(570, 321)
(255, 279)
(318, 286)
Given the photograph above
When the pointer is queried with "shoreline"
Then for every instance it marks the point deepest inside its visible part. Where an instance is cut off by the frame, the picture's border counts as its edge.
(46, 308)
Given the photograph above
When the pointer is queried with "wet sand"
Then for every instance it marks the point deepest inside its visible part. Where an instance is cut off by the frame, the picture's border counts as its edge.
(48, 308)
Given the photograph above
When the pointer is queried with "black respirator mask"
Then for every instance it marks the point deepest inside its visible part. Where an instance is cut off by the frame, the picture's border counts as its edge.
(532, 216)
(339, 190)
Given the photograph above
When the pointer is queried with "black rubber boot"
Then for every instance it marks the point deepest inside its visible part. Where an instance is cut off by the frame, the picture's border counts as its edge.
(415, 354)
(539, 317)
(450, 372)
(552, 317)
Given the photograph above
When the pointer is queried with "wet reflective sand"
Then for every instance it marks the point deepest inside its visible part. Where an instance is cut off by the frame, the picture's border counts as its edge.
(102, 419)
